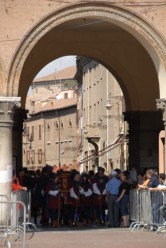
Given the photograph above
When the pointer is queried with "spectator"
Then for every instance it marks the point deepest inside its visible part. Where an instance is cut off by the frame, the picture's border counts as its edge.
(162, 183)
(15, 184)
(112, 195)
(123, 198)
(153, 182)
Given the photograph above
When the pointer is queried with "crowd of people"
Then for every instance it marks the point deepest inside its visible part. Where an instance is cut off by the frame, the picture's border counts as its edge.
(74, 199)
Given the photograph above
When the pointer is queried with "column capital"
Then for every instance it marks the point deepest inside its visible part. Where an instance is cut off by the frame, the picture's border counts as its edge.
(7, 105)
(161, 105)
(14, 101)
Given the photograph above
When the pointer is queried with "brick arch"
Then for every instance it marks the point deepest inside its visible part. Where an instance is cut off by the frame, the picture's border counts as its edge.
(141, 30)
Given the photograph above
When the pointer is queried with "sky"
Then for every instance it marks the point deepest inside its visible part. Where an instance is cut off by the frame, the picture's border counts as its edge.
(57, 65)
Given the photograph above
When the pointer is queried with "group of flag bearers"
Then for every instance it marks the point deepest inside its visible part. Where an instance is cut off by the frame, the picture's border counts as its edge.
(77, 199)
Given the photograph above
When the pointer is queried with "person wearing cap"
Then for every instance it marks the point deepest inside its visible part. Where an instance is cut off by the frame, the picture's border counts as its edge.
(99, 189)
(112, 195)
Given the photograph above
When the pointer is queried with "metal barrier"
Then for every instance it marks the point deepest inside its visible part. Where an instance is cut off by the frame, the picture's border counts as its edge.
(25, 197)
(12, 234)
(134, 206)
(4, 198)
(145, 208)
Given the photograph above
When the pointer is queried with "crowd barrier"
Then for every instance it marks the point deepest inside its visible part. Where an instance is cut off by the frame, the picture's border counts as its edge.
(25, 197)
(15, 214)
(145, 209)
(12, 234)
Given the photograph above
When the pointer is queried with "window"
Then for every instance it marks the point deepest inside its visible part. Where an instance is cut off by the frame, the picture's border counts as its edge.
(40, 156)
(39, 132)
(32, 135)
(57, 124)
(70, 123)
(27, 131)
(48, 126)
(32, 103)
(66, 96)
(32, 156)
(28, 157)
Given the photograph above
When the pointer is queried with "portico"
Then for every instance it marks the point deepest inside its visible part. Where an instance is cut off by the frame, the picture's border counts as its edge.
(119, 38)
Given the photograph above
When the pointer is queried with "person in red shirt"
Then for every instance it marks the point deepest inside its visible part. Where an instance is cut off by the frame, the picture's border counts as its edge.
(16, 185)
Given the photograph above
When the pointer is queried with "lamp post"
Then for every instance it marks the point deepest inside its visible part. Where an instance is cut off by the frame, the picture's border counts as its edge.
(59, 140)
(118, 116)
(30, 138)
(28, 141)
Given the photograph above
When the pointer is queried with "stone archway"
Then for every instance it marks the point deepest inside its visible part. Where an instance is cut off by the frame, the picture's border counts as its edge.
(141, 76)
(127, 45)
(141, 30)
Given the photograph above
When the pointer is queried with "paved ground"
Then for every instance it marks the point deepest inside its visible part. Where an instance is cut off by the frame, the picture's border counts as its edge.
(96, 238)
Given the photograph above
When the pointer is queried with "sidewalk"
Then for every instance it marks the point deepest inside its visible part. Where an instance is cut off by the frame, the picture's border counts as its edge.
(96, 238)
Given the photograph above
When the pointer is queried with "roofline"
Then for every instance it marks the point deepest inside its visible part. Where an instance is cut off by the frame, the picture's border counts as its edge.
(51, 110)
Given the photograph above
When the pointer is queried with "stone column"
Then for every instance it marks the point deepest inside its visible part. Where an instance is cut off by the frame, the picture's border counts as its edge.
(161, 105)
(19, 116)
(144, 128)
(7, 105)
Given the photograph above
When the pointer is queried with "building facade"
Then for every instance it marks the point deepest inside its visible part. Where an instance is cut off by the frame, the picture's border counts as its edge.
(50, 133)
(56, 84)
(102, 104)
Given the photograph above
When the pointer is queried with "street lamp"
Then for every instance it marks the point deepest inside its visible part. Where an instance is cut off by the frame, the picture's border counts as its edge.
(118, 116)
(59, 138)
(108, 105)
(85, 130)
(30, 138)
(28, 141)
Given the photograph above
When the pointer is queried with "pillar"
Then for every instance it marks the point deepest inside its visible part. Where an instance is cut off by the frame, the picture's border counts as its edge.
(94, 141)
(19, 116)
(7, 105)
(161, 105)
(143, 133)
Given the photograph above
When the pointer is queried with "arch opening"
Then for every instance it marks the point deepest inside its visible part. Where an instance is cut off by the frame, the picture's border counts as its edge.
(128, 47)
(105, 21)
(115, 48)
